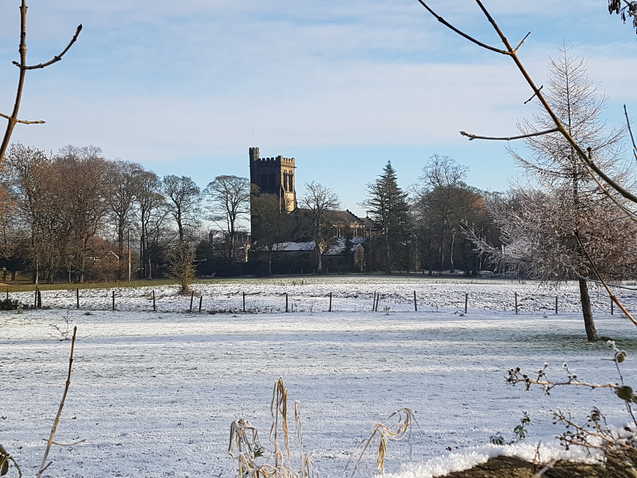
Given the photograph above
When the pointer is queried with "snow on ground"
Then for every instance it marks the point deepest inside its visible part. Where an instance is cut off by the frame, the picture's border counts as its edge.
(154, 393)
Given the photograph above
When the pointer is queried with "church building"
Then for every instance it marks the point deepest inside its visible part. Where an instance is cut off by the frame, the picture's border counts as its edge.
(277, 176)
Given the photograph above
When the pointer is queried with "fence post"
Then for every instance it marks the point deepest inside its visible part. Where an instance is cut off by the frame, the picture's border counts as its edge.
(192, 297)
(35, 298)
(286, 302)
(556, 306)
(7, 293)
(466, 303)
(154, 304)
(39, 299)
(244, 302)
(77, 298)
(200, 302)
(330, 302)
(374, 303)
(377, 301)
(415, 303)
(113, 300)
(516, 303)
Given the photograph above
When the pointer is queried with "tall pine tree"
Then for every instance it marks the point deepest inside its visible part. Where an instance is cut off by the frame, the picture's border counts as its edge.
(389, 210)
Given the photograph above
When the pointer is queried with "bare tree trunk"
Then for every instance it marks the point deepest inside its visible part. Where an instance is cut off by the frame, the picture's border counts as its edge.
(587, 311)
(451, 251)
(120, 250)
(319, 258)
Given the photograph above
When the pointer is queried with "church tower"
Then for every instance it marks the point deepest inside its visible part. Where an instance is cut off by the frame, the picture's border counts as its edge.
(274, 176)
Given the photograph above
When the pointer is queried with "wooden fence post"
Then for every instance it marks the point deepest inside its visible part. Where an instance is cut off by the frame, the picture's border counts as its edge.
(415, 303)
(516, 303)
(556, 306)
(330, 309)
(192, 297)
(77, 298)
(286, 303)
(244, 302)
(113, 300)
(466, 303)
(154, 304)
(374, 303)
(39, 299)
(200, 302)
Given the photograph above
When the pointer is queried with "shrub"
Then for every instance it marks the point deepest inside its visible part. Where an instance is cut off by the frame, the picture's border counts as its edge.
(10, 304)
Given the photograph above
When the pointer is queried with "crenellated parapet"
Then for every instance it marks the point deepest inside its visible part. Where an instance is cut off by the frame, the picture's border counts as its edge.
(274, 161)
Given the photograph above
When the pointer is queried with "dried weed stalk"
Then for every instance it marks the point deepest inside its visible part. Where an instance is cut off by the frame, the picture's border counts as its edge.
(5, 463)
(246, 447)
(385, 434)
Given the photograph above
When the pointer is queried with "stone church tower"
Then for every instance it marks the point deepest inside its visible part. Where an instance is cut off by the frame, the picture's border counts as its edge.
(274, 176)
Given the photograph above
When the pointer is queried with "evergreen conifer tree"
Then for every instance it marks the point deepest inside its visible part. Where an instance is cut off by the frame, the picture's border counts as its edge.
(389, 210)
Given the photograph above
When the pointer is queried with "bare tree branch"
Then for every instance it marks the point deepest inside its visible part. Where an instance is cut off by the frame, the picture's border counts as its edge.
(460, 32)
(23, 67)
(519, 45)
(563, 130)
(7, 117)
(630, 131)
(58, 416)
(56, 58)
(531, 98)
(508, 138)
(612, 296)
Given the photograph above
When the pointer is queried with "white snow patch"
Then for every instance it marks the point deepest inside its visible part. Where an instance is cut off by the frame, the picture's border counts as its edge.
(465, 460)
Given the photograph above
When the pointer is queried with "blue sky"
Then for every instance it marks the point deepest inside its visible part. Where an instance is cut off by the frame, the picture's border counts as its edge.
(186, 87)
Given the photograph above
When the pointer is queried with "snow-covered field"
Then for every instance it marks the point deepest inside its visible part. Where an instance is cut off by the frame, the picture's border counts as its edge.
(154, 393)
(349, 294)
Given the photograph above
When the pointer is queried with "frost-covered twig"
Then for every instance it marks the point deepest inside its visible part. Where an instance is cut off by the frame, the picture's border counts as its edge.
(58, 417)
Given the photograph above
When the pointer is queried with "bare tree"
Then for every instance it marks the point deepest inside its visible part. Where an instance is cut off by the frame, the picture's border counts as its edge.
(182, 196)
(443, 171)
(23, 66)
(444, 206)
(318, 201)
(31, 178)
(84, 191)
(181, 265)
(123, 183)
(152, 213)
(605, 183)
(230, 200)
(554, 224)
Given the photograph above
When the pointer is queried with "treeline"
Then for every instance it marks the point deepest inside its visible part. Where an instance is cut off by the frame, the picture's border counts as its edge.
(75, 216)
(428, 230)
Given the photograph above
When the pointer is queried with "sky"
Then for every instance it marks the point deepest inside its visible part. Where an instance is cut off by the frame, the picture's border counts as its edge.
(187, 87)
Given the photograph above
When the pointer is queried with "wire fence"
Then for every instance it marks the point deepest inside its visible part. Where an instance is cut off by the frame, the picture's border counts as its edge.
(300, 300)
